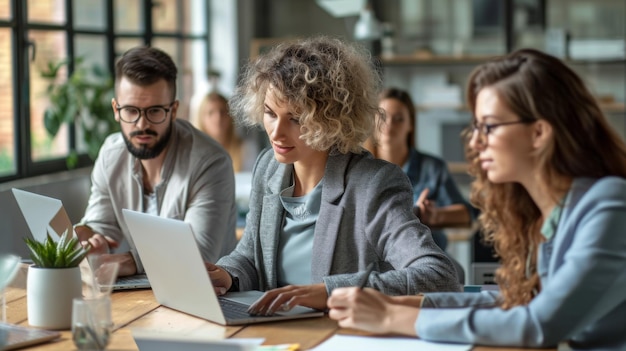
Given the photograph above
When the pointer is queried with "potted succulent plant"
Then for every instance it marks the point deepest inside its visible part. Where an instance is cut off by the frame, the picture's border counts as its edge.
(53, 280)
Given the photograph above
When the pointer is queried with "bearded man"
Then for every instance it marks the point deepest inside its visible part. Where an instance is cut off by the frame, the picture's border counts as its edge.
(157, 164)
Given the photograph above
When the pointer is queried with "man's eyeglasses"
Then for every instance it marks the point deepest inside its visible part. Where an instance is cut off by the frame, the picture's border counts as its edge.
(485, 128)
(154, 114)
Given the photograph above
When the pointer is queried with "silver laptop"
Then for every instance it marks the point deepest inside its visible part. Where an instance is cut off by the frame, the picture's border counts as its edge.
(45, 214)
(14, 337)
(179, 279)
(137, 281)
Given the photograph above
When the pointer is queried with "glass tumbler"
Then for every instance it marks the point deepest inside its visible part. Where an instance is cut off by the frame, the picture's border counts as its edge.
(91, 322)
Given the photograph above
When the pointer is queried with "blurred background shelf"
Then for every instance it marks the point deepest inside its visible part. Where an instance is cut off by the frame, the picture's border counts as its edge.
(430, 59)
(608, 107)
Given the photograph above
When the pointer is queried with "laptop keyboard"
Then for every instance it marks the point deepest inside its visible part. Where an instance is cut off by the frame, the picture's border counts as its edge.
(235, 310)
(132, 279)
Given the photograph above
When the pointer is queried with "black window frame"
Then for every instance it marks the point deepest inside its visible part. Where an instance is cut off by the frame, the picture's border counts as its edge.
(21, 52)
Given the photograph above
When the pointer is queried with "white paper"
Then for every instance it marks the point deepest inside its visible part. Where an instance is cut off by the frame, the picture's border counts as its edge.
(365, 343)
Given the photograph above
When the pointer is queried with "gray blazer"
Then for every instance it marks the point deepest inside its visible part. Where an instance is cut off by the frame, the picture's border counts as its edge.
(583, 284)
(365, 216)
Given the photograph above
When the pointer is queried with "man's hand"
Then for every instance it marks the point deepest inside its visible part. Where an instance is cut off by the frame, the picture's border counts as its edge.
(126, 261)
(83, 232)
(222, 281)
(100, 244)
(285, 298)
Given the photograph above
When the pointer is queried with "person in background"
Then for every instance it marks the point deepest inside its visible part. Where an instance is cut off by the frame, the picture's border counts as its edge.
(437, 201)
(213, 118)
(551, 186)
(321, 207)
(157, 164)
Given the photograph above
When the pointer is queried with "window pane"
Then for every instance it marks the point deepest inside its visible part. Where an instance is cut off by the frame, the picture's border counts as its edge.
(194, 13)
(7, 151)
(588, 19)
(164, 16)
(124, 44)
(89, 14)
(93, 49)
(128, 16)
(191, 60)
(51, 47)
(173, 48)
(5, 9)
(194, 80)
(47, 11)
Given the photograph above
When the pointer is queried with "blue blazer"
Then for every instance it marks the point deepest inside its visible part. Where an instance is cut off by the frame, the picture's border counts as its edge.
(583, 278)
(365, 216)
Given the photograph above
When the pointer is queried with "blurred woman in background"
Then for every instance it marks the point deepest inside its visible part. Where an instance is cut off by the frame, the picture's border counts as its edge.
(437, 201)
(213, 118)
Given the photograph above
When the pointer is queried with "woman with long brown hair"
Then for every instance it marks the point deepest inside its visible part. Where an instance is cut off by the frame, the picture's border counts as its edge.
(550, 182)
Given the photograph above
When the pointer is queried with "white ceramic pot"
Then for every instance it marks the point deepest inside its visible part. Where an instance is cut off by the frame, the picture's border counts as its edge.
(49, 295)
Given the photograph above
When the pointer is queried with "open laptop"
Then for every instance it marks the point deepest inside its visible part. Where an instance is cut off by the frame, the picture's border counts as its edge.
(44, 215)
(179, 279)
(13, 336)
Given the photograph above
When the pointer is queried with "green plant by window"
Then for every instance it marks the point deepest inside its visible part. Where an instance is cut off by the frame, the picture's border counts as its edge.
(6, 162)
(65, 253)
(84, 99)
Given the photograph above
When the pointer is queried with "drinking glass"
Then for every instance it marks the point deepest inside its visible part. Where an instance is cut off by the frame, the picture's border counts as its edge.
(101, 276)
(91, 322)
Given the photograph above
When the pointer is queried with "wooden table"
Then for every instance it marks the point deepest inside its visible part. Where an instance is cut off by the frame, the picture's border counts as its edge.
(139, 309)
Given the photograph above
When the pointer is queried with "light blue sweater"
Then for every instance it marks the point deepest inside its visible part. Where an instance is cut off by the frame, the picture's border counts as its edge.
(583, 279)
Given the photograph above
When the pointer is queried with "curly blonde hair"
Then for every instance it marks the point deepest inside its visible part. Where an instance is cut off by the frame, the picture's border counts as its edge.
(537, 86)
(331, 85)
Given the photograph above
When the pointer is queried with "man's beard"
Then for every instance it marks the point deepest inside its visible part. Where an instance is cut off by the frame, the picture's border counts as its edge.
(144, 152)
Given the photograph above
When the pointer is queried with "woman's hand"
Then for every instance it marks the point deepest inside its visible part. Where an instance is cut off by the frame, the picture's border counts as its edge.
(221, 279)
(425, 209)
(372, 311)
(455, 215)
(285, 298)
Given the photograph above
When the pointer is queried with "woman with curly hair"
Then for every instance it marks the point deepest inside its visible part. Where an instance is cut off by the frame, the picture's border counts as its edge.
(550, 182)
(321, 207)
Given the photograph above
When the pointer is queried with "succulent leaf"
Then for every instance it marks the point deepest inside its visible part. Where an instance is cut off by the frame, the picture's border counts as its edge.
(66, 252)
